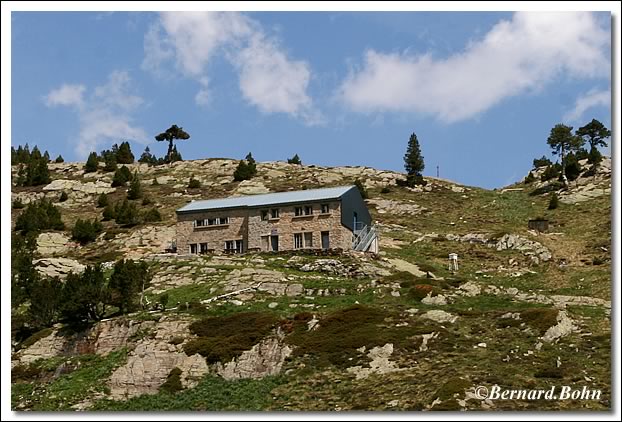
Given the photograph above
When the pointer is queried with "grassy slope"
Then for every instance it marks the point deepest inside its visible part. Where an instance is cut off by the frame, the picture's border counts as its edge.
(452, 362)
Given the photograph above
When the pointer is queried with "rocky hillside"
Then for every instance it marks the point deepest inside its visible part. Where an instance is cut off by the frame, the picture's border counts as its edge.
(299, 331)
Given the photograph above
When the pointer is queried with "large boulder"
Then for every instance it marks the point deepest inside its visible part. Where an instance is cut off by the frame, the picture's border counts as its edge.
(58, 267)
(52, 243)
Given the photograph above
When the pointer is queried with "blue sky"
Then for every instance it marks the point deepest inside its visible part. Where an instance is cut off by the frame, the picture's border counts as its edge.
(480, 89)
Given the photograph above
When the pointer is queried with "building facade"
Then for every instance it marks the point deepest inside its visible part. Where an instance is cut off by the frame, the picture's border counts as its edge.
(330, 218)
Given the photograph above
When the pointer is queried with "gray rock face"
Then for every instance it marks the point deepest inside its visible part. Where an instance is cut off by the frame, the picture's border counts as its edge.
(52, 243)
(58, 267)
(385, 206)
(337, 267)
(535, 250)
(265, 358)
(564, 327)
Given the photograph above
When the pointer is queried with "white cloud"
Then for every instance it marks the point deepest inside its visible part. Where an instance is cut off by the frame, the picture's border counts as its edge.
(592, 98)
(67, 95)
(105, 115)
(515, 57)
(268, 79)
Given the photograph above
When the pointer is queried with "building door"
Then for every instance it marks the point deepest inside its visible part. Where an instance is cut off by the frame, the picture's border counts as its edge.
(275, 243)
(356, 227)
(325, 240)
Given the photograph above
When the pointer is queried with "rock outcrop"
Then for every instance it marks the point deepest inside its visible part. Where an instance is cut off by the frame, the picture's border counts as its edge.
(265, 358)
(52, 243)
(58, 267)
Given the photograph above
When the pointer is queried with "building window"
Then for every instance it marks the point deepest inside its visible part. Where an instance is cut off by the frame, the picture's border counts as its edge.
(297, 240)
(233, 246)
(308, 210)
(297, 211)
(193, 248)
(325, 209)
(264, 215)
(308, 240)
(274, 213)
(211, 222)
(204, 247)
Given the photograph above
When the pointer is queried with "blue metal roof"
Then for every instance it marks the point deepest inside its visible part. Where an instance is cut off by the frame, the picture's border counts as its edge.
(267, 199)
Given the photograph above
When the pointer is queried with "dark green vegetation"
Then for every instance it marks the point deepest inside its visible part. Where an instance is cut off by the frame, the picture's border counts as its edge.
(223, 338)
(38, 216)
(86, 231)
(294, 160)
(246, 169)
(171, 135)
(32, 166)
(413, 162)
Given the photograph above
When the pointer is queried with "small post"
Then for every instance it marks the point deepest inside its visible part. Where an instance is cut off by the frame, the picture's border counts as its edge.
(437, 172)
(453, 262)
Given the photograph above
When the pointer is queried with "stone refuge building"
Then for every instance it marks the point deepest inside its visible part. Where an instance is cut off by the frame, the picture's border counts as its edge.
(328, 218)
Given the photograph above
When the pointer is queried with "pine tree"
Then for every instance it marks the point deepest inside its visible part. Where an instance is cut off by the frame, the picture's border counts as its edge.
(294, 160)
(413, 161)
(91, 163)
(170, 135)
(124, 154)
(562, 141)
(59, 159)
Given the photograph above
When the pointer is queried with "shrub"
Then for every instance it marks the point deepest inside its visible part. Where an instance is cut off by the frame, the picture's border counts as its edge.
(552, 171)
(109, 213)
(385, 189)
(163, 300)
(38, 216)
(85, 231)
(127, 281)
(415, 179)
(110, 163)
(126, 213)
(102, 200)
(224, 338)
(135, 191)
(92, 163)
(147, 200)
(18, 204)
(63, 197)
(172, 383)
(194, 183)
(155, 182)
(176, 340)
(573, 168)
(121, 176)
(59, 159)
(152, 215)
(541, 162)
(594, 157)
(294, 160)
(246, 169)
(530, 178)
(420, 291)
(554, 201)
(582, 154)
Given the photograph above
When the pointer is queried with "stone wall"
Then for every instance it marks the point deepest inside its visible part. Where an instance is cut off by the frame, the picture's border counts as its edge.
(247, 224)
(288, 223)
(215, 236)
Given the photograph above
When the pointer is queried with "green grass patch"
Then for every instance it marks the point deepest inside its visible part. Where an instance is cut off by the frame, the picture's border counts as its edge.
(212, 394)
(69, 389)
(343, 331)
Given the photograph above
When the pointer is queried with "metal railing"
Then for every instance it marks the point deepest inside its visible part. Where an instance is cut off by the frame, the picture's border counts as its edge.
(364, 238)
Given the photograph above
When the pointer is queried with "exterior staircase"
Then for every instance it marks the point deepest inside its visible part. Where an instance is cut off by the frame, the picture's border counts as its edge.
(364, 238)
